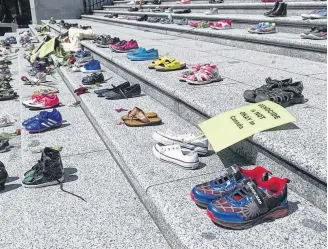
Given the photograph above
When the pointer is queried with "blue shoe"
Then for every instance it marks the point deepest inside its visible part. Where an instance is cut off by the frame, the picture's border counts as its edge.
(234, 176)
(81, 54)
(320, 14)
(92, 66)
(135, 52)
(43, 121)
(144, 55)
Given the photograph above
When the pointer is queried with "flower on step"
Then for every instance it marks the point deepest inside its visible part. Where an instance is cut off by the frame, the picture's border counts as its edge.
(18, 131)
(72, 59)
(25, 79)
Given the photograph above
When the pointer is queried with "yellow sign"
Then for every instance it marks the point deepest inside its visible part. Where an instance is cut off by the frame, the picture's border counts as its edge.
(233, 126)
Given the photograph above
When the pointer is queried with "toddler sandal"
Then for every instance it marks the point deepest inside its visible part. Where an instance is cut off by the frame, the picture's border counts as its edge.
(206, 75)
(139, 119)
(158, 61)
(170, 66)
(133, 112)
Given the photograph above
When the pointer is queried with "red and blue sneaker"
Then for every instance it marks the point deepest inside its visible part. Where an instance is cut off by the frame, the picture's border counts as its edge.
(251, 204)
(207, 192)
(43, 121)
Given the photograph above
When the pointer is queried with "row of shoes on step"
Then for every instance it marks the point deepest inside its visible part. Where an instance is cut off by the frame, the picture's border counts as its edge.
(47, 171)
(6, 91)
(283, 92)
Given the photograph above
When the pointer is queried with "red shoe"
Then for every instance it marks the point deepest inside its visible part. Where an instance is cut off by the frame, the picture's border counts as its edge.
(42, 101)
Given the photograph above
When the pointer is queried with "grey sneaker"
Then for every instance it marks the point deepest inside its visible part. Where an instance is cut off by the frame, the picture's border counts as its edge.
(212, 11)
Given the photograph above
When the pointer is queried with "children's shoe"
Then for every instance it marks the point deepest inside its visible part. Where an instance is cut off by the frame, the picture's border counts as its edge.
(222, 25)
(320, 14)
(48, 171)
(251, 204)
(80, 61)
(4, 145)
(204, 76)
(7, 120)
(233, 178)
(143, 55)
(263, 28)
(43, 121)
(3, 176)
(184, 1)
(126, 47)
(45, 101)
(93, 66)
(40, 78)
(93, 79)
(212, 11)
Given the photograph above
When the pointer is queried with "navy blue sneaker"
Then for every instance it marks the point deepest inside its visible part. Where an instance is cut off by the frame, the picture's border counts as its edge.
(251, 204)
(233, 178)
(43, 121)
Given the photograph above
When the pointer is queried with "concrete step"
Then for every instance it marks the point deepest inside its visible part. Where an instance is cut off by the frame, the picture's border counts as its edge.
(290, 24)
(294, 151)
(278, 43)
(92, 208)
(294, 8)
(165, 188)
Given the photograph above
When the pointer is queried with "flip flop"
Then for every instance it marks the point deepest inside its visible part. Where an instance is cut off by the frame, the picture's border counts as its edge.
(133, 112)
(170, 66)
(140, 119)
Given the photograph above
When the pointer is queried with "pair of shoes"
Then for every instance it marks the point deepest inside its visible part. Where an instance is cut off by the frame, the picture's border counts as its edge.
(279, 10)
(5, 73)
(41, 101)
(103, 41)
(125, 46)
(183, 150)
(47, 171)
(123, 91)
(3, 174)
(43, 121)
(95, 78)
(93, 66)
(216, 1)
(222, 25)
(101, 92)
(242, 198)
(142, 54)
(166, 20)
(263, 28)
(164, 64)
(137, 118)
(283, 92)
(316, 14)
(111, 15)
(201, 74)
(316, 33)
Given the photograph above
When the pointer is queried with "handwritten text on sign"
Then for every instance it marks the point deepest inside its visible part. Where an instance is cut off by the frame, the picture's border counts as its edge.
(235, 125)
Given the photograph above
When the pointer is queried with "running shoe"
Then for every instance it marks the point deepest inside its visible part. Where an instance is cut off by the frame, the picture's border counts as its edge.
(233, 178)
(129, 46)
(43, 121)
(42, 101)
(143, 54)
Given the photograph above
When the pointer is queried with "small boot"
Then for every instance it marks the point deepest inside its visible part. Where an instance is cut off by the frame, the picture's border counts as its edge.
(281, 11)
(3, 176)
(275, 7)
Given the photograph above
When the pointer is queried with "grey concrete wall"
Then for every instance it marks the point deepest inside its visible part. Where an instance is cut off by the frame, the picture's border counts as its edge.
(59, 9)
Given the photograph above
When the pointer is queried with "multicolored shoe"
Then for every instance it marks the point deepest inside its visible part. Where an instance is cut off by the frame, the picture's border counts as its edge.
(204, 193)
(263, 28)
(251, 204)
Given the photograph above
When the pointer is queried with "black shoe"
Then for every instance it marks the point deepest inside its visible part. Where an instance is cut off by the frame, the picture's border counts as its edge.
(4, 145)
(125, 93)
(156, 2)
(280, 11)
(216, 1)
(275, 7)
(187, 11)
(115, 88)
(142, 18)
(133, 9)
(48, 171)
(3, 176)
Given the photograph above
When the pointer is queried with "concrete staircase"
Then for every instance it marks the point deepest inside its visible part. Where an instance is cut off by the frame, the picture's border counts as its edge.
(296, 151)
(286, 42)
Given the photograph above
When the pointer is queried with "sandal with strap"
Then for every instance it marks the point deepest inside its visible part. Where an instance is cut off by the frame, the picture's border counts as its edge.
(139, 119)
(170, 66)
(290, 95)
(206, 75)
(132, 113)
(7, 95)
(93, 79)
(195, 68)
(158, 62)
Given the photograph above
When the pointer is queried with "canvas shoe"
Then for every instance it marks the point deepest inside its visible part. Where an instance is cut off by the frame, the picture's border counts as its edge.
(3, 176)
(231, 179)
(188, 142)
(45, 101)
(143, 55)
(251, 204)
(43, 121)
(48, 171)
(174, 154)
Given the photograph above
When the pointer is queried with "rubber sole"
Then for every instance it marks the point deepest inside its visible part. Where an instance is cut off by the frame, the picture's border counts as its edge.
(275, 213)
(60, 180)
(37, 131)
(203, 82)
(198, 203)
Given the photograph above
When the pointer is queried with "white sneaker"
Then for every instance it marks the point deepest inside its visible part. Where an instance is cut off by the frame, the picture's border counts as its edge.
(213, 11)
(7, 120)
(174, 154)
(187, 142)
(40, 78)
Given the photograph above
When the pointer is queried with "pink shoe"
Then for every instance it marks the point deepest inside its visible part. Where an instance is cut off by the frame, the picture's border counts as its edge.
(117, 45)
(222, 24)
(205, 75)
(184, 1)
(42, 101)
(193, 24)
(195, 68)
(269, 1)
(127, 47)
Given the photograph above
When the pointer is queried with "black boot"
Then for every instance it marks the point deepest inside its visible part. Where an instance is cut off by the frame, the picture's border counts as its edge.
(3, 176)
(275, 7)
(281, 11)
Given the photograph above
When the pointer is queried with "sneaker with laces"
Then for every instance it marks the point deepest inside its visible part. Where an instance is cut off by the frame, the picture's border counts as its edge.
(48, 171)
(187, 142)
(129, 46)
(44, 101)
(175, 154)
(231, 179)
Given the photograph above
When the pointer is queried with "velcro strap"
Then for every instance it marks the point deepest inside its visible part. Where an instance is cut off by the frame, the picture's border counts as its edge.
(235, 171)
(257, 195)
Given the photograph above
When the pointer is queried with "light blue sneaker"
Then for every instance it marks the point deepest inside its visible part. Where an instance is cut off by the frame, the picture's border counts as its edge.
(320, 14)
(144, 55)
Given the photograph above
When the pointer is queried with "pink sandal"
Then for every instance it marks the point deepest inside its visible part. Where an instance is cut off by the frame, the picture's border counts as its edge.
(204, 76)
(195, 68)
